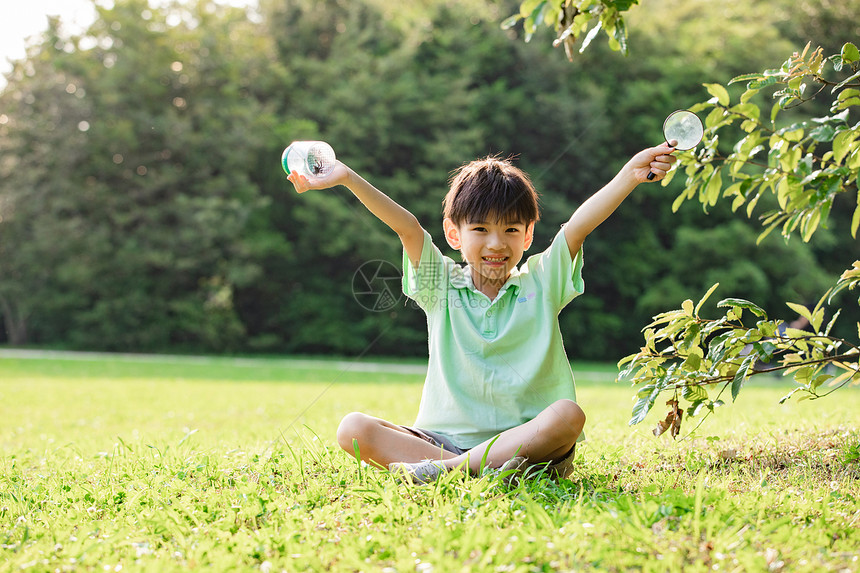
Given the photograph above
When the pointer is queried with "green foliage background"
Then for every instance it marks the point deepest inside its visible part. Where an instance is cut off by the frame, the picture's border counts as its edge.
(142, 206)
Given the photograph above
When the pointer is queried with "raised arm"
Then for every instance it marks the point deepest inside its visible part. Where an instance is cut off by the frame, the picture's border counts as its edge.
(401, 221)
(602, 204)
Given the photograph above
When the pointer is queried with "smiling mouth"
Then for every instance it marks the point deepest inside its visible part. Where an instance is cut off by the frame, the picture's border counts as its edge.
(494, 260)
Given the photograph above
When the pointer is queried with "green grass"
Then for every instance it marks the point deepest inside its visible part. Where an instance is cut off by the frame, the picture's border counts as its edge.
(170, 464)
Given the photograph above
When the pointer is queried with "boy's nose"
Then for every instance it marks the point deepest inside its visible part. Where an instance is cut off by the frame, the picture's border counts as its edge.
(495, 241)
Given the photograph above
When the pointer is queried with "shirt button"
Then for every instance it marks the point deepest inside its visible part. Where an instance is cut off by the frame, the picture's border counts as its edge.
(489, 313)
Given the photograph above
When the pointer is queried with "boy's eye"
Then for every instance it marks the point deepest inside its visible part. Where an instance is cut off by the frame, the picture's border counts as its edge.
(479, 229)
(513, 230)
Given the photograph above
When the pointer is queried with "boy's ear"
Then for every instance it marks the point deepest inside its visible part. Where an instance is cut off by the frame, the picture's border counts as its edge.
(530, 235)
(452, 233)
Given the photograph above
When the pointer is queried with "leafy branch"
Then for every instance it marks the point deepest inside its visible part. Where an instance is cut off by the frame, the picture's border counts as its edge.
(781, 160)
(574, 19)
(687, 354)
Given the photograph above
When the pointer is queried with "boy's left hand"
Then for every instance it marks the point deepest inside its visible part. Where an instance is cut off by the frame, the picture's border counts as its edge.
(657, 160)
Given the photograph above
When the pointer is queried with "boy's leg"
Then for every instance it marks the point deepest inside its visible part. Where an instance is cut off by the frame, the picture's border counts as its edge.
(548, 437)
(381, 443)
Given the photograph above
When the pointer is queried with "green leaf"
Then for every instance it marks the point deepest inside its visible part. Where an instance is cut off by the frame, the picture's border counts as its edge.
(533, 19)
(748, 110)
(693, 362)
(741, 375)
(746, 78)
(694, 393)
(641, 409)
(529, 6)
(763, 235)
(718, 92)
(552, 13)
(846, 103)
(695, 408)
(810, 224)
(712, 191)
(801, 310)
(761, 84)
(823, 133)
(845, 82)
(792, 135)
(853, 161)
(669, 176)
(687, 307)
(511, 21)
(819, 380)
(855, 220)
(741, 303)
(832, 322)
(774, 111)
(676, 204)
(850, 53)
(836, 60)
(802, 376)
(714, 118)
(645, 391)
(765, 350)
(704, 298)
(842, 144)
(748, 95)
(701, 106)
(626, 359)
(843, 377)
(624, 5)
(843, 95)
(620, 35)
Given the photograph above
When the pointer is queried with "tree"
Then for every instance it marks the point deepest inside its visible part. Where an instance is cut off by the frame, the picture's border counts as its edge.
(125, 191)
(41, 142)
(806, 164)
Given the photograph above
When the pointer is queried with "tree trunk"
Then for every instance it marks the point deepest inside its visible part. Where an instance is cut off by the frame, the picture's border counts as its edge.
(16, 326)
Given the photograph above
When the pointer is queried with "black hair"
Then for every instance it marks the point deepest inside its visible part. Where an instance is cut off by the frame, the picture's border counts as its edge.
(491, 189)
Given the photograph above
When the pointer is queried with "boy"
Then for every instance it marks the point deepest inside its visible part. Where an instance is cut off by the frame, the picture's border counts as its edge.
(499, 386)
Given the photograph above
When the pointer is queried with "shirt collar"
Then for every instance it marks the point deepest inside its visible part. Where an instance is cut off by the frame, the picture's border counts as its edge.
(461, 277)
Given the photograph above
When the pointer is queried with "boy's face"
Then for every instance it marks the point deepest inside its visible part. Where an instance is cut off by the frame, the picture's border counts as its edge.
(492, 249)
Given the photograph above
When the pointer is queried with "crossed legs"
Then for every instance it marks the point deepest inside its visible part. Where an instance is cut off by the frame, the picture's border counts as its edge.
(548, 437)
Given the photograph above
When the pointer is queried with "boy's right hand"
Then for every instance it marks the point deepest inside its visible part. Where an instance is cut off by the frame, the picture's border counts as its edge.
(338, 176)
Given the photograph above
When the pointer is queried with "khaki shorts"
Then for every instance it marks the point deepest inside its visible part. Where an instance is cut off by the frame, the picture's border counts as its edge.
(437, 440)
(563, 468)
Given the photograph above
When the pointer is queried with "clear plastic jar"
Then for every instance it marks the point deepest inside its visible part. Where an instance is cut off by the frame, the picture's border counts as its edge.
(308, 158)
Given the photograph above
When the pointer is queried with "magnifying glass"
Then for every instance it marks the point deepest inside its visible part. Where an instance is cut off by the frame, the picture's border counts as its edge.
(685, 128)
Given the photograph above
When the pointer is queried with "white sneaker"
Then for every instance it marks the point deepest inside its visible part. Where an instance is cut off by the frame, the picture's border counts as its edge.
(425, 471)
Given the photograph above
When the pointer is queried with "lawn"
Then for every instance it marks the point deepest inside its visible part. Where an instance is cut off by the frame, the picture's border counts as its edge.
(173, 464)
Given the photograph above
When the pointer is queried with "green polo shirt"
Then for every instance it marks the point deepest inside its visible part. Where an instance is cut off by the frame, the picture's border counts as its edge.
(493, 364)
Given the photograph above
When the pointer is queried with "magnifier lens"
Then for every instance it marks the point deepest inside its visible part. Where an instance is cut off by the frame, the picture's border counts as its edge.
(685, 127)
